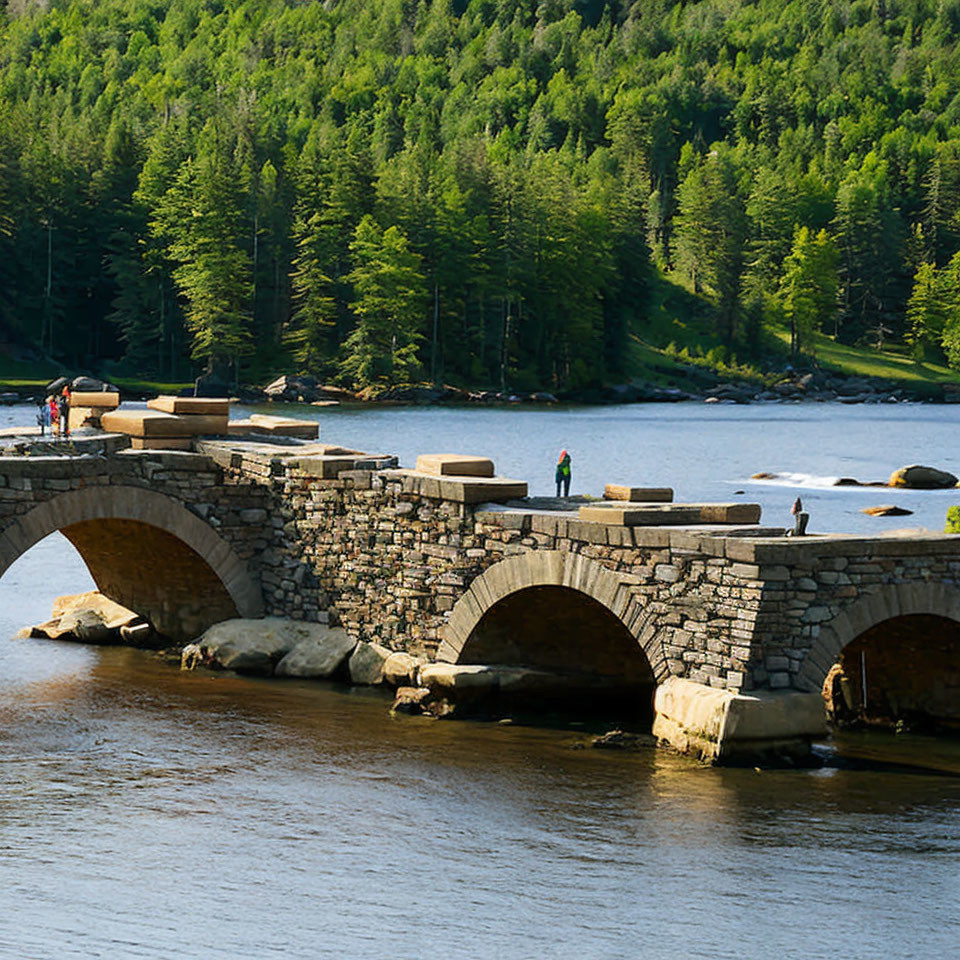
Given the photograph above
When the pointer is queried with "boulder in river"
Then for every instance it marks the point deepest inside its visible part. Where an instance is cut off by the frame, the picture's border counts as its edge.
(919, 477)
(254, 646)
(887, 510)
(319, 655)
(366, 663)
(400, 669)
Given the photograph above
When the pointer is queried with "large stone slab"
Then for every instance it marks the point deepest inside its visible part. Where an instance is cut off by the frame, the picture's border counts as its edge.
(161, 443)
(276, 426)
(102, 400)
(82, 417)
(727, 512)
(669, 514)
(718, 726)
(156, 423)
(616, 491)
(650, 515)
(191, 405)
(454, 464)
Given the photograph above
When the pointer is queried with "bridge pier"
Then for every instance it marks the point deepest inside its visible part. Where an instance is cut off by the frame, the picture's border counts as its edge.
(725, 727)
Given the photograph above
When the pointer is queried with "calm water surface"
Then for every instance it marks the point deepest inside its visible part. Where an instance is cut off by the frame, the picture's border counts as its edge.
(149, 813)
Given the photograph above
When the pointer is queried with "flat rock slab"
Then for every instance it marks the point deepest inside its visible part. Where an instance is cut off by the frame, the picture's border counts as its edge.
(102, 400)
(727, 512)
(191, 405)
(156, 423)
(616, 491)
(276, 426)
(652, 515)
(161, 443)
(454, 464)
(670, 514)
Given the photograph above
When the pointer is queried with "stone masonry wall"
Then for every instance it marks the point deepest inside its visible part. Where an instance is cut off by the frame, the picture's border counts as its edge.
(388, 554)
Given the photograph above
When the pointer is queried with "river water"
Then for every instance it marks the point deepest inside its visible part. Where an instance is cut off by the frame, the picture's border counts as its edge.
(150, 813)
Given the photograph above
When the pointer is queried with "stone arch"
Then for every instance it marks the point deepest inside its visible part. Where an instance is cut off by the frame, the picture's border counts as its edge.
(888, 602)
(144, 550)
(552, 578)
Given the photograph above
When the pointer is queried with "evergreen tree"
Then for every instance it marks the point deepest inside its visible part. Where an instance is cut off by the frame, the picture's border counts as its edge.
(808, 288)
(389, 306)
(201, 217)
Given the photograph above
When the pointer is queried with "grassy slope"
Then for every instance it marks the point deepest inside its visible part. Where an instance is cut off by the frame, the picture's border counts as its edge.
(681, 319)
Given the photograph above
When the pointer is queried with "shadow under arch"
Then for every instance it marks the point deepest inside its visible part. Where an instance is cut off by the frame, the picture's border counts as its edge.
(894, 655)
(147, 551)
(886, 603)
(559, 612)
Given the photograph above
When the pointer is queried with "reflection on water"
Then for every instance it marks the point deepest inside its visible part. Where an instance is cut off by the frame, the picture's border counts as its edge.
(148, 813)
(151, 813)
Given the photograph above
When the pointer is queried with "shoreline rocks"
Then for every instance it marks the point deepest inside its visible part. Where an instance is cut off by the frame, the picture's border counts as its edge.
(94, 618)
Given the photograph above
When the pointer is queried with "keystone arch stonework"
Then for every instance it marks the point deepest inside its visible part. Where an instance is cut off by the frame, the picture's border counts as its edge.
(554, 609)
(146, 551)
(889, 602)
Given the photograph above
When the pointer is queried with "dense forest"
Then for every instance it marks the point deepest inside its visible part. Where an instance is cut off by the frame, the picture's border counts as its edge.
(491, 193)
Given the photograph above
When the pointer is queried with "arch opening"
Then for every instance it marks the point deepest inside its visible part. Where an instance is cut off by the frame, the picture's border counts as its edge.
(153, 573)
(591, 660)
(147, 552)
(902, 672)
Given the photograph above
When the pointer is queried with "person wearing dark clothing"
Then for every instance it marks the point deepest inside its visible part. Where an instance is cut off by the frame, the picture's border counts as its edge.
(63, 412)
(562, 475)
(43, 417)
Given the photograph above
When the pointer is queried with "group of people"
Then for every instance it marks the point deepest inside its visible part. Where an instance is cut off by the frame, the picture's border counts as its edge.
(55, 414)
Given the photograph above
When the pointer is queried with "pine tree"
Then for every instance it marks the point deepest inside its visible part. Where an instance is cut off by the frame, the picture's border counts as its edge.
(808, 288)
(389, 306)
(202, 218)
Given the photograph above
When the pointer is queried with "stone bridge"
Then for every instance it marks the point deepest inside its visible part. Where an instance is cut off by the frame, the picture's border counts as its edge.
(733, 628)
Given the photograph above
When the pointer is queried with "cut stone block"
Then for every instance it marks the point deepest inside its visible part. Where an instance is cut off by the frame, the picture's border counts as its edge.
(277, 426)
(161, 443)
(482, 489)
(453, 464)
(726, 512)
(81, 417)
(155, 423)
(649, 515)
(670, 514)
(616, 491)
(324, 468)
(102, 399)
(191, 405)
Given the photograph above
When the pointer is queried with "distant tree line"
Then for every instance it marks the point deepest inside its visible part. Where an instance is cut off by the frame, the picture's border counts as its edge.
(485, 193)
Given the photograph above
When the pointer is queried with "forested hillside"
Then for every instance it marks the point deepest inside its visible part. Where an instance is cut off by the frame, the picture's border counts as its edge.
(492, 193)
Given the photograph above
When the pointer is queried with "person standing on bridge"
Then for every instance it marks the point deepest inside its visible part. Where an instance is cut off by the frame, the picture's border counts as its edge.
(63, 411)
(53, 414)
(562, 475)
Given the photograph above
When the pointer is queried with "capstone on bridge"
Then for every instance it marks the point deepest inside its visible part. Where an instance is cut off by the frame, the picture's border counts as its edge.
(732, 627)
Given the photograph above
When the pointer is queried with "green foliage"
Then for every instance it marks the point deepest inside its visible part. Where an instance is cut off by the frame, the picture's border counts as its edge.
(808, 287)
(953, 520)
(382, 347)
(182, 184)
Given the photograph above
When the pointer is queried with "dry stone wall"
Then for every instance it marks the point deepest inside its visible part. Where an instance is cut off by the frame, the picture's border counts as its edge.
(389, 553)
